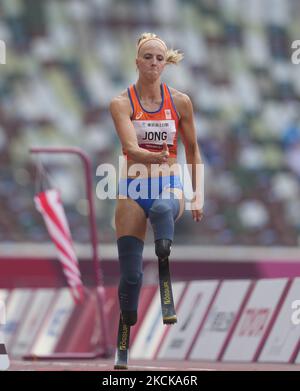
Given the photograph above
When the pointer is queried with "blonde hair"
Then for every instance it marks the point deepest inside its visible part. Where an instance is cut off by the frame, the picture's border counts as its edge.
(172, 56)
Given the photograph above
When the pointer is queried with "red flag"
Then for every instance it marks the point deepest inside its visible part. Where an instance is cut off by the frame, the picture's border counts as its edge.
(49, 204)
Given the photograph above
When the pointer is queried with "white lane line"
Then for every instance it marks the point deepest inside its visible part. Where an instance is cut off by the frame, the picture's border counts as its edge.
(149, 367)
(170, 368)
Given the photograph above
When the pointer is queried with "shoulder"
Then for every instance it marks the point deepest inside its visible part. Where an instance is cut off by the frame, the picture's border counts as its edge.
(182, 101)
(120, 104)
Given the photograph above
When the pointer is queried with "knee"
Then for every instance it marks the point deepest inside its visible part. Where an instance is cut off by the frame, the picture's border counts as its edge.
(132, 278)
(164, 209)
(130, 251)
(162, 214)
(159, 208)
(130, 260)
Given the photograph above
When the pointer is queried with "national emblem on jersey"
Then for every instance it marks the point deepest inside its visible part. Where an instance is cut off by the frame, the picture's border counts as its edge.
(168, 114)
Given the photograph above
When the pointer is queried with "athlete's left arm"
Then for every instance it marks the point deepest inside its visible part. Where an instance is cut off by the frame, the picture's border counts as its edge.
(187, 129)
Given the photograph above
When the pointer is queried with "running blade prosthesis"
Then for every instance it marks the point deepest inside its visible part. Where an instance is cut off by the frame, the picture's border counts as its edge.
(166, 294)
(122, 352)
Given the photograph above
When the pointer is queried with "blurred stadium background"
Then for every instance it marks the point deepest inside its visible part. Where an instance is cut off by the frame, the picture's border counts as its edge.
(66, 59)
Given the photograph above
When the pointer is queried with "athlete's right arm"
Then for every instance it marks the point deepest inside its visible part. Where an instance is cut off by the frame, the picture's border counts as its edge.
(120, 112)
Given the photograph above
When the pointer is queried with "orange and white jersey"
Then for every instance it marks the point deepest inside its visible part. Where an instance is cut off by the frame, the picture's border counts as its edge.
(154, 127)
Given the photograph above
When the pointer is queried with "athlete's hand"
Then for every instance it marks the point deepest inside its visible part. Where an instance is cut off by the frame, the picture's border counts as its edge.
(165, 152)
(197, 214)
(162, 157)
(197, 210)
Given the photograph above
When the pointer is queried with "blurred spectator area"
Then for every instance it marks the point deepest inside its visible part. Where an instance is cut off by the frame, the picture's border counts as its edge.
(66, 59)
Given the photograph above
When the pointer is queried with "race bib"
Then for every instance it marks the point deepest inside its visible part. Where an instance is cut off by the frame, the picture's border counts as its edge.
(155, 132)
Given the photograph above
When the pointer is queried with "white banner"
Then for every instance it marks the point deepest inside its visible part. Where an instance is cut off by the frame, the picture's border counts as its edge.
(39, 307)
(152, 329)
(3, 298)
(255, 319)
(220, 319)
(285, 335)
(16, 311)
(54, 324)
(190, 315)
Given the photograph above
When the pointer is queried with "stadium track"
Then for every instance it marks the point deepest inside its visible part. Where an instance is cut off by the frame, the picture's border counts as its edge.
(146, 365)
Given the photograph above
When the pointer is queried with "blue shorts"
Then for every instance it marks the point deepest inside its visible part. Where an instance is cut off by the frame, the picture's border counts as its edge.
(146, 190)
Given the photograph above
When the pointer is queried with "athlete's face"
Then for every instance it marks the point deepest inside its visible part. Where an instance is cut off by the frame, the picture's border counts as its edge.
(151, 60)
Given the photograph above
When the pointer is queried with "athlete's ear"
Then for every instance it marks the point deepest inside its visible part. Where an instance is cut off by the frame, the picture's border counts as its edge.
(136, 64)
